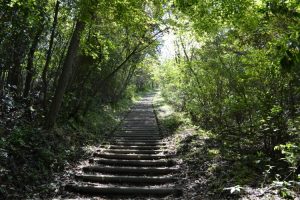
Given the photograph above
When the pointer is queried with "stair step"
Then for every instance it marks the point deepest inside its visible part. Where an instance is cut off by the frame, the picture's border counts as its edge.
(138, 113)
(144, 113)
(142, 126)
(136, 140)
(136, 143)
(130, 170)
(138, 136)
(144, 191)
(133, 135)
(126, 179)
(134, 120)
(125, 151)
(131, 156)
(136, 163)
(155, 147)
(139, 126)
(135, 132)
(147, 133)
(139, 130)
(142, 118)
(151, 122)
(132, 163)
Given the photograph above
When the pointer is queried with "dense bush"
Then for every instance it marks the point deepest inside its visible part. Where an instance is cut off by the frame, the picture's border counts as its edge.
(236, 73)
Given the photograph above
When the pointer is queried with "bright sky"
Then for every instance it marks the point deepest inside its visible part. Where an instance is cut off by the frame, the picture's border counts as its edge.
(168, 46)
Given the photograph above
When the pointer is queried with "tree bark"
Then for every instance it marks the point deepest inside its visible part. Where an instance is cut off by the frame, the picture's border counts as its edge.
(126, 82)
(49, 55)
(76, 108)
(30, 67)
(65, 75)
(14, 73)
(61, 61)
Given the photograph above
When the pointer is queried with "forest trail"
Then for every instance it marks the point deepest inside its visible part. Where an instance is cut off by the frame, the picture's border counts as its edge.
(135, 163)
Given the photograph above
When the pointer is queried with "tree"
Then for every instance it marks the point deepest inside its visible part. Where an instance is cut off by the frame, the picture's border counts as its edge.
(49, 54)
(65, 74)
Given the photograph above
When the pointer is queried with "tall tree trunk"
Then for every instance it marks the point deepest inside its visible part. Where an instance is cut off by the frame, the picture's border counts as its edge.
(65, 75)
(126, 82)
(29, 68)
(61, 60)
(80, 96)
(14, 73)
(49, 55)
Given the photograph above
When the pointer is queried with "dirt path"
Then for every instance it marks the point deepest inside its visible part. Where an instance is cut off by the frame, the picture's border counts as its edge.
(135, 163)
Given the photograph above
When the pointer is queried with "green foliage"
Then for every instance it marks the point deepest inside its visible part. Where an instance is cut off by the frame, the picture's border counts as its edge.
(291, 151)
(131, 91)
(237, 77)
(113, 63)
(172, 122)
(32, 155)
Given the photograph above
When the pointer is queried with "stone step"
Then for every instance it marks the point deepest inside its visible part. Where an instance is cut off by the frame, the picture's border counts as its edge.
(133, 119)
(151, 123)
(139, 128)
(141, 117)
(135, 126)
(141, 123)
(149, 120)
(156, 171)
(138, 131)
(137, 143)
(132, 156)
(133, 115)
(142, 110)
(126, 151)
(153, 147)
(124, 191)
(139, 180)
(139, 113)
(135, 163)
(150, 116)
(150, 135)
(136, 140)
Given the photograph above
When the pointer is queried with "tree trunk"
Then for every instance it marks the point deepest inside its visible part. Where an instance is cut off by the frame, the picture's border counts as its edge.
(30, 59)
(126, 82)
(14, 74)
(102, 82)
(60, 63)
(49, 55)
(80, 96)
(65, 75)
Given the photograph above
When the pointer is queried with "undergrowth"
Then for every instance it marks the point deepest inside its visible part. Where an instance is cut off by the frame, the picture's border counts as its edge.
(29, 155)
(215, 168)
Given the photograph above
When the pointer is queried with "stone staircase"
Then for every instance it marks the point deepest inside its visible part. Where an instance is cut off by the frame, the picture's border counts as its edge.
(135, 163)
